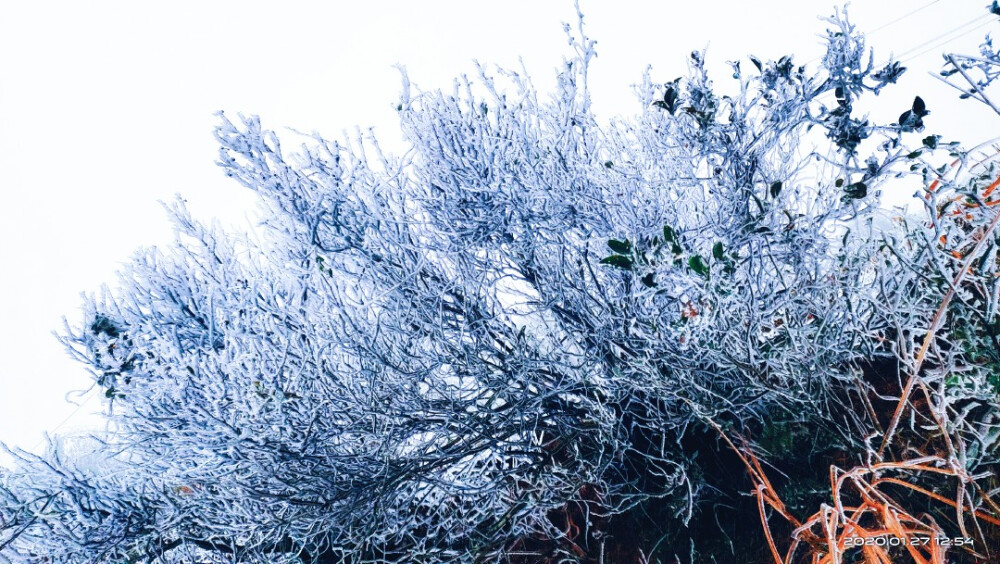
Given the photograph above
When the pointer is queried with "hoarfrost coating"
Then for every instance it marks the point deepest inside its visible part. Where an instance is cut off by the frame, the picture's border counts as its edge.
(432, 353)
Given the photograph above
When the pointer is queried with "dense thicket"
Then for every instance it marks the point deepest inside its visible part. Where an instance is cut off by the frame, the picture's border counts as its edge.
(529, 336)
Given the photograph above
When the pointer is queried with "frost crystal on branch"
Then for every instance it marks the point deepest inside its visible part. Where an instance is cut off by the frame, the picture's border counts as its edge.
(495, 345)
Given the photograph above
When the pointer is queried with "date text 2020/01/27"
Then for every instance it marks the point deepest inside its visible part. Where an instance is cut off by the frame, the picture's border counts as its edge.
(915, 540)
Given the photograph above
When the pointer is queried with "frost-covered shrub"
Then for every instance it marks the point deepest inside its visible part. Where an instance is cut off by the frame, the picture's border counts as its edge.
(450, 355)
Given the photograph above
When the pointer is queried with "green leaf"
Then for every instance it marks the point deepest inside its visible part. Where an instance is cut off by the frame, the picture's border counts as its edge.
(931, 141)
(914, 154)
(839, 182)
(698, 265)
(618, 261)
(609, 164)
(669, 102)
(856, 191)
(620, 247)
(648, 280)
(717, 251)
(775, 189)
(669, 235)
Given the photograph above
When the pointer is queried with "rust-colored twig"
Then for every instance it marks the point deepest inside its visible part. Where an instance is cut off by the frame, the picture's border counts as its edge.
(832, 530)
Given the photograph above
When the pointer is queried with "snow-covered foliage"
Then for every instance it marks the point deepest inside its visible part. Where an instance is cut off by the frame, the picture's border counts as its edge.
(433, 353)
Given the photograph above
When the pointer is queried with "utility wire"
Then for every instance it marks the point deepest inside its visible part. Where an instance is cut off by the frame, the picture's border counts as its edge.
(960, 30)
(884, 26)
(901, 18)
(943, 43)
(933, 43)
(64, 421)
(982, 20)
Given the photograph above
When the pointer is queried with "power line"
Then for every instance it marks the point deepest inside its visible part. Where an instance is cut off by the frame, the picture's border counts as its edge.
(960, 30)
(983, 18)
(933, 43)
(901, 18)
(65, 421)
(942, 44)
(890, 23)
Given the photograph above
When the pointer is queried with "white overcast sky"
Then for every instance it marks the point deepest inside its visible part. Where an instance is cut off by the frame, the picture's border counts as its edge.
(107, 108)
